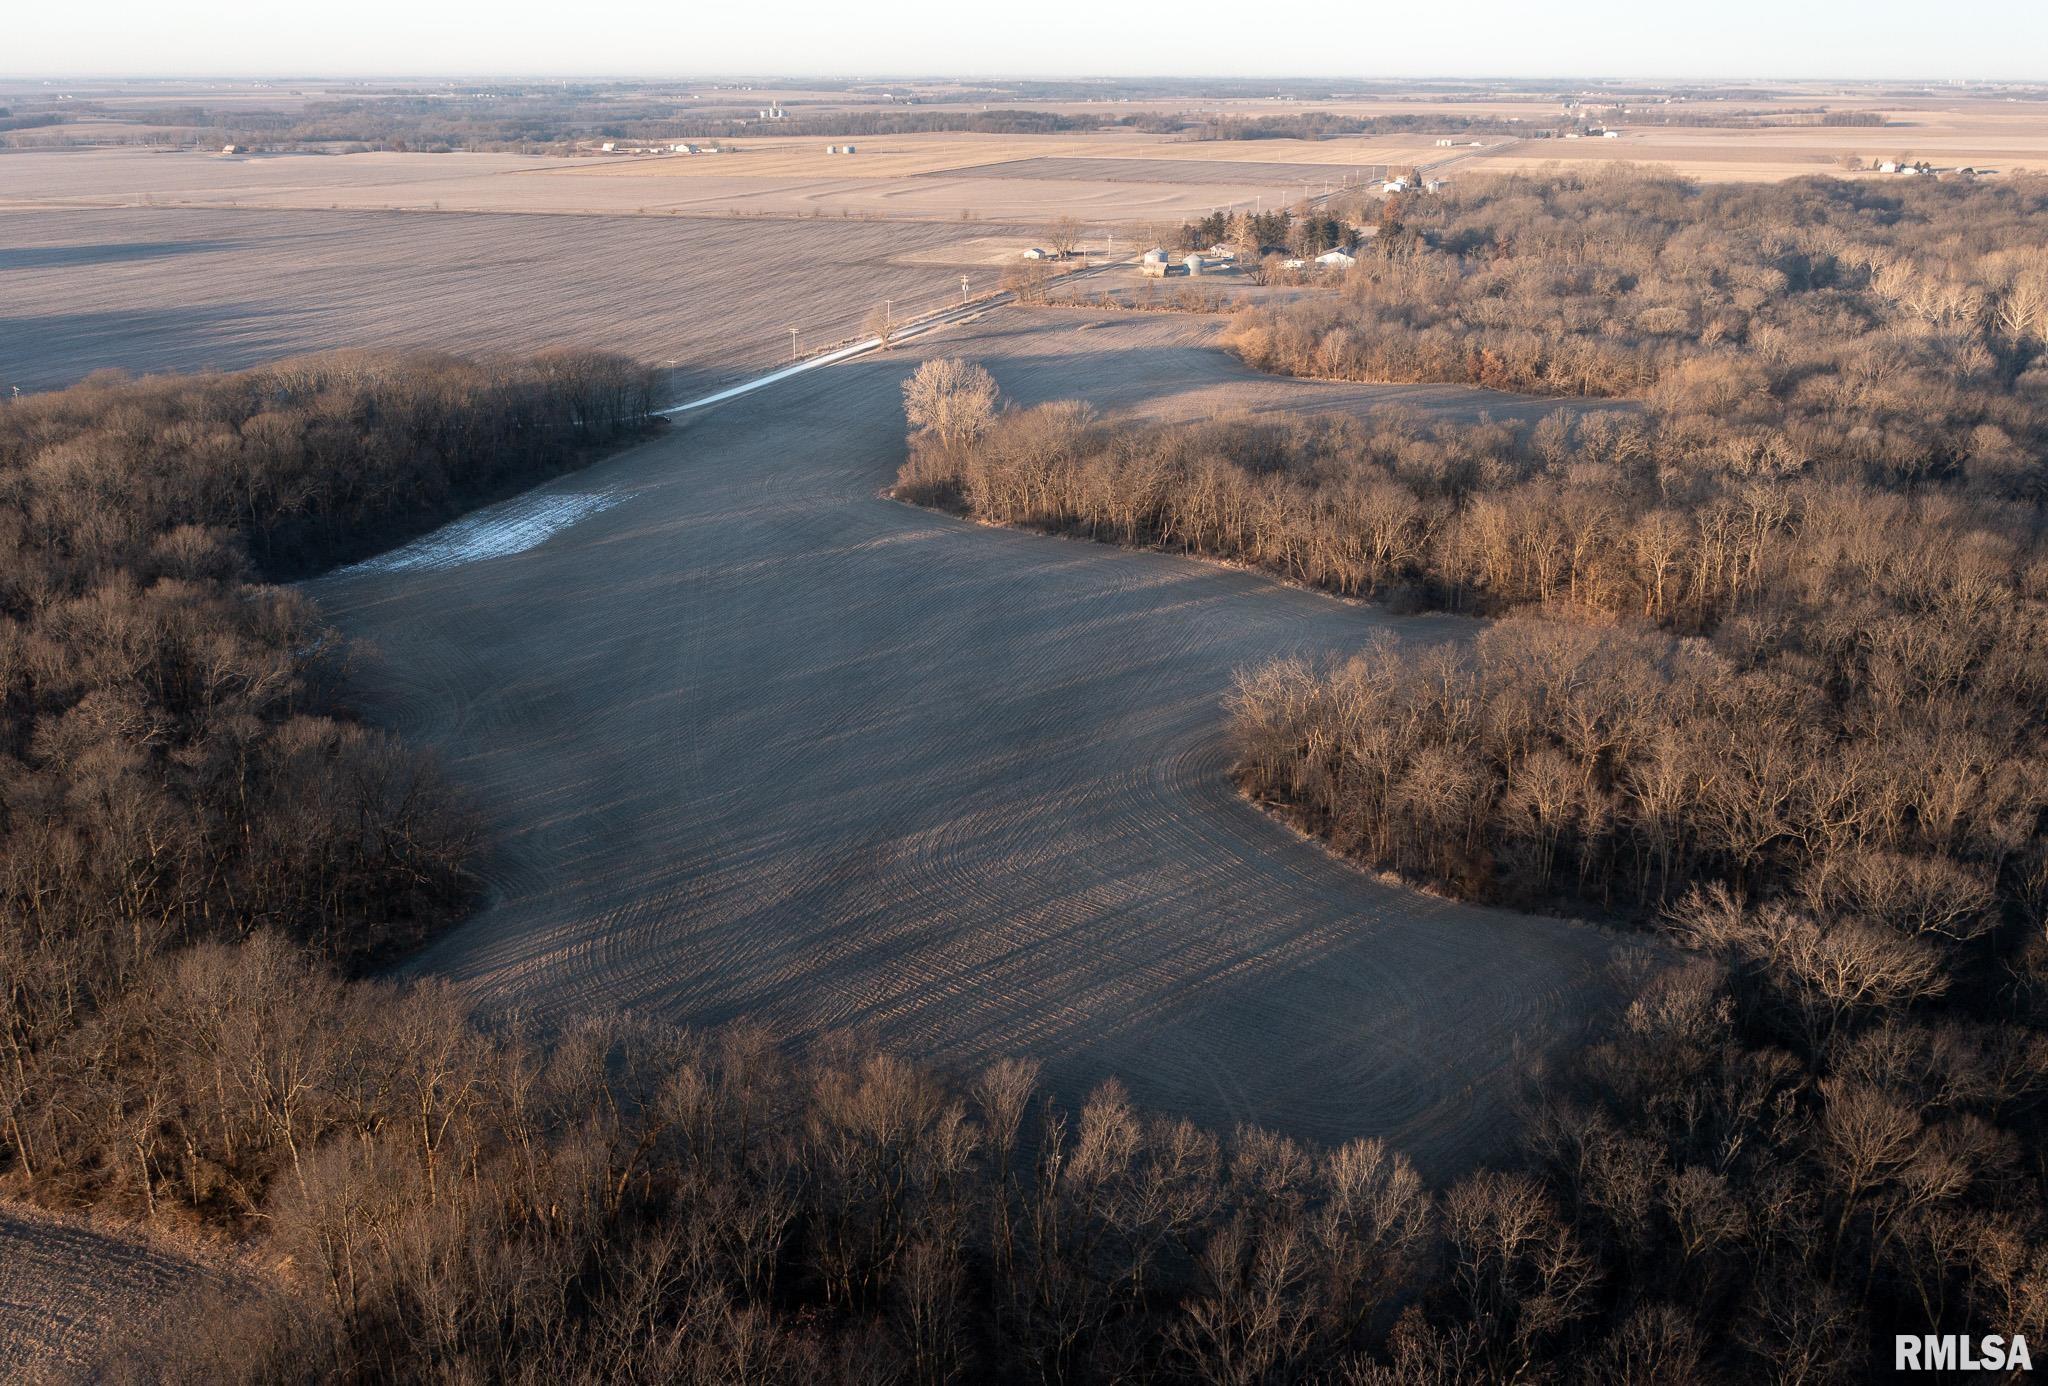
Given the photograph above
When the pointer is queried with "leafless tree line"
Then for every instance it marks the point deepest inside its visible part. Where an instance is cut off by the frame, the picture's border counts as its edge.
(632, 1202)
(625, 1201)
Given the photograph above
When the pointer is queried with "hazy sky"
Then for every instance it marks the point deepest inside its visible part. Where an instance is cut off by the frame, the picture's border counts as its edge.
(1722, 38)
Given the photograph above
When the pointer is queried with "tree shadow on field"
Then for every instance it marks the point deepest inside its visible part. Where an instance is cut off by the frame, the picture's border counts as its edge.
(48, 257)
(50, 350)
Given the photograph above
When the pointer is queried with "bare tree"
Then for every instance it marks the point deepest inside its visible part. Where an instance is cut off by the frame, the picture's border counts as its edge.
(951, 399)
(1063, 236)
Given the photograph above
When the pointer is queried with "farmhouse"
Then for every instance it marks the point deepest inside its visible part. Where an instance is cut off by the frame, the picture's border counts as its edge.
(1036, 254)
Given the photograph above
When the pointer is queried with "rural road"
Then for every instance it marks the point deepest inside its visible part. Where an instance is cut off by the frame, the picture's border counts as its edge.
(757, 742)
(911, 329)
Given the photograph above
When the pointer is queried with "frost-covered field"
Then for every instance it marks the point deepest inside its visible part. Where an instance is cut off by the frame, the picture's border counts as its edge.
(508, 527)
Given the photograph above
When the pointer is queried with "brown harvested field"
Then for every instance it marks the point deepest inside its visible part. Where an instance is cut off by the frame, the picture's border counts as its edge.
(68, 1289)
(1173, 171)
(160, 289)
(912, 177)
(127, 177)
(898, 156)
(2003, 136)
(1105, 176)
(758, 742)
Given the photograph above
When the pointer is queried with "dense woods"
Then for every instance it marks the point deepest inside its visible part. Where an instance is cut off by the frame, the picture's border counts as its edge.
(179, 763)
(627, 1202)
(1769, 680)
(1809, 322)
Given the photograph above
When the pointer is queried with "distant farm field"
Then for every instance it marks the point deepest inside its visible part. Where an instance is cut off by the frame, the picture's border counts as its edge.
(1173, 171)
(2004, 137)
(914, 177)
(175, 289)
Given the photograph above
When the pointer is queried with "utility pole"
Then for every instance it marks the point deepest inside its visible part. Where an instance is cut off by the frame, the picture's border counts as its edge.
(792, 344)
(963, 288)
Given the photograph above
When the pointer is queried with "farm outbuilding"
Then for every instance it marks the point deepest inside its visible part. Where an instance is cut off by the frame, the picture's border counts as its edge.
(1036, 254)
(1196, 264)
(1153, 263)
(1336, 259)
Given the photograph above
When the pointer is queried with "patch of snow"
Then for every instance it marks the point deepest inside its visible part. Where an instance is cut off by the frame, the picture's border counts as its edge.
(513, 526)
